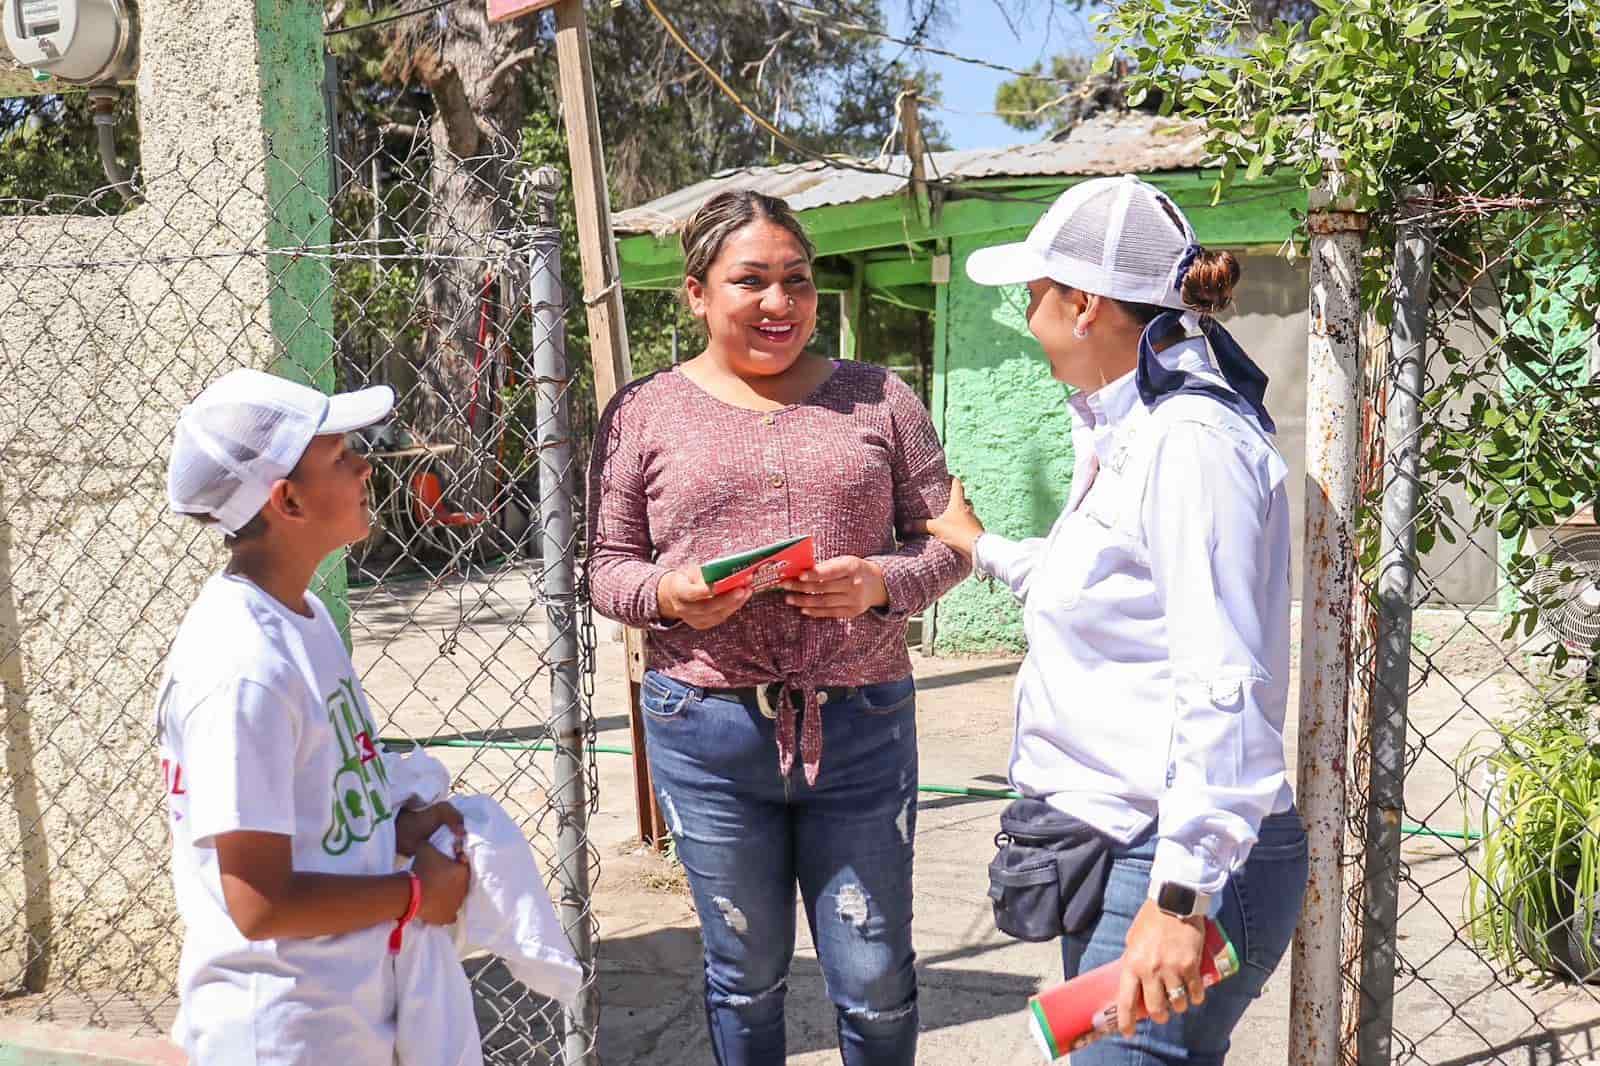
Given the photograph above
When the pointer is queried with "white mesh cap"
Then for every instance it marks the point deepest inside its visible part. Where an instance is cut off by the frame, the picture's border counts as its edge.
(1116, 237)
(246, 431)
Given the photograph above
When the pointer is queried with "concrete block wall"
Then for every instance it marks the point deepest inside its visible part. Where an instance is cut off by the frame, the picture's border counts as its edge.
(107, 326)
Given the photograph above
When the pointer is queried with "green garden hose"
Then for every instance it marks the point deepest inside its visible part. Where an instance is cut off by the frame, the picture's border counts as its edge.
(1406, 830)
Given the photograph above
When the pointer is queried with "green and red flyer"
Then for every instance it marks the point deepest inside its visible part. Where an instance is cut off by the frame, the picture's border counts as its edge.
(760, 568)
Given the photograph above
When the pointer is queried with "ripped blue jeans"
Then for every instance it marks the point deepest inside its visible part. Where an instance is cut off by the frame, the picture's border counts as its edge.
(748, 836)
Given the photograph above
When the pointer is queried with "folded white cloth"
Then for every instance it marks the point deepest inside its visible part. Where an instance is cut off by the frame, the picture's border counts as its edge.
(415, 780)
(508, 912)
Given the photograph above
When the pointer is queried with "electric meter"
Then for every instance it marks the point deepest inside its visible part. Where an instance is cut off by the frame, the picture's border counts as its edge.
(83, 41)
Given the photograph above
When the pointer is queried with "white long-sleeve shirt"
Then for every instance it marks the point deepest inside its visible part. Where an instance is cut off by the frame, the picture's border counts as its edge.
(1157, 619)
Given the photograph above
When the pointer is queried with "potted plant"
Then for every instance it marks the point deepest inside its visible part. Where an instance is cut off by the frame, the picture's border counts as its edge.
(1535, 896)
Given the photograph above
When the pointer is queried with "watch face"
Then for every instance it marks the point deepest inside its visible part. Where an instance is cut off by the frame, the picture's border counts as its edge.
(1175, 899)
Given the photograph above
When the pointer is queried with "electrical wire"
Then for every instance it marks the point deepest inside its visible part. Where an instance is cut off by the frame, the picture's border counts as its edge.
(832, 160)
(834, 25)
(385, 20)
(732, 94)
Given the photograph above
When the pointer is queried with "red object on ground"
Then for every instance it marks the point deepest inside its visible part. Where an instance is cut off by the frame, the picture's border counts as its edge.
(1076, 1013)
(427, 499)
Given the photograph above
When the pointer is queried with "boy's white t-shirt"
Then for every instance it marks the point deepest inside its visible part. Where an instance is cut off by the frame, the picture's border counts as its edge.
(263, 726)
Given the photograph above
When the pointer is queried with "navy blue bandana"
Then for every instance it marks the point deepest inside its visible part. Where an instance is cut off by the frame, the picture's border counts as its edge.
(1248, 391)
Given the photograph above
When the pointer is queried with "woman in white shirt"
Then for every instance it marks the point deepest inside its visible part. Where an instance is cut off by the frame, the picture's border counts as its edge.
(1151, 703)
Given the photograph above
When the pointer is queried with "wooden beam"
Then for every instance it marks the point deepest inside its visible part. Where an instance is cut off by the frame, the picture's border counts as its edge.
(911, 297)
(851, 307)
(937, 397)
(889, 275)
(829, 280)
(916, 152)
(602, 277)
(608, 333)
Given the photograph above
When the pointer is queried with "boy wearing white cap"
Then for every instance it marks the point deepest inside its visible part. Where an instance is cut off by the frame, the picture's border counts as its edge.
(284, 835)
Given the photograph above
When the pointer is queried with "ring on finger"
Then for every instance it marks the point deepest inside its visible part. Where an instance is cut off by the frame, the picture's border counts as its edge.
(1177, 994)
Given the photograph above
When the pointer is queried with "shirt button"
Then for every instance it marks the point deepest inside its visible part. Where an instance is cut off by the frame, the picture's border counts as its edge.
(777, 481)
(822, 697)
(767, 420)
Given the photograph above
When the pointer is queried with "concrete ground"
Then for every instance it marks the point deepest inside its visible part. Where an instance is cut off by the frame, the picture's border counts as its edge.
(421, 647)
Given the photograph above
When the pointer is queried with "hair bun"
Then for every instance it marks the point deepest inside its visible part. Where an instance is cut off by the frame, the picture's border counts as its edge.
(1208, 283)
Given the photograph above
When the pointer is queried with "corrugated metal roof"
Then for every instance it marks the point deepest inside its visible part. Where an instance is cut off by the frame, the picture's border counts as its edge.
(1106, 144)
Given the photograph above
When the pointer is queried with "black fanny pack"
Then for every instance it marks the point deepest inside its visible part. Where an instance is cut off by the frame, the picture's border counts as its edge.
(1049, 876)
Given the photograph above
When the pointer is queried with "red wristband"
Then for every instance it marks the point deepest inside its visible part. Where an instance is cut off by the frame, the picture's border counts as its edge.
(411, 912)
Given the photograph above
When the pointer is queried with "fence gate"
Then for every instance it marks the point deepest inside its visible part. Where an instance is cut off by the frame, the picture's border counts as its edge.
(438, 276)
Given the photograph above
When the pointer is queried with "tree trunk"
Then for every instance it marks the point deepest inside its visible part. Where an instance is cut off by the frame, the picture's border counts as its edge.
(474, 146)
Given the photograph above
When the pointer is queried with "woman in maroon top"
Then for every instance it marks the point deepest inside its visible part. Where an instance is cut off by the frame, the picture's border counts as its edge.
(752, 441)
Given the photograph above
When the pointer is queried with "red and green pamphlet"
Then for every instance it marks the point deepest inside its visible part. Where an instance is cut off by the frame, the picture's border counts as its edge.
(760, 568)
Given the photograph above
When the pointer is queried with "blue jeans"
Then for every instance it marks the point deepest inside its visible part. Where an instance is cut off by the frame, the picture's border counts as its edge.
(1260, 909)
(746, 836)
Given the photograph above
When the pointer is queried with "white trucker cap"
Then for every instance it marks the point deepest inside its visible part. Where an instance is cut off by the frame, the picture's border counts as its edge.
(247, 431)
(1117, 237)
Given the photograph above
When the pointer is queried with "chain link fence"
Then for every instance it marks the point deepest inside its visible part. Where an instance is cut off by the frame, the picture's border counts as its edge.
(436, 275)
(1473, 856)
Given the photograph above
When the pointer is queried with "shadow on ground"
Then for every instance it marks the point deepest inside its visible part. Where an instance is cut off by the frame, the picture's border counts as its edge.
(652, 1007)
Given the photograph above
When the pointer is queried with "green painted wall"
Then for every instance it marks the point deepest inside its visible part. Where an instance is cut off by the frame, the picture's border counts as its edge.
(1007, 436)
(300, 304)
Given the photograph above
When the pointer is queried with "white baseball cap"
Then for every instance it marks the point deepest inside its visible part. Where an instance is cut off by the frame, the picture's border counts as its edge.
(1117, 237)
(247, 431)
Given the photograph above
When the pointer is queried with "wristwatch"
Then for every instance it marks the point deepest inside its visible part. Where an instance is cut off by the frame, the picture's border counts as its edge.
(1180, 901)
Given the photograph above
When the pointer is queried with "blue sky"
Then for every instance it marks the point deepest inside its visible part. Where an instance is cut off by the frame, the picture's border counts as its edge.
(979, 29)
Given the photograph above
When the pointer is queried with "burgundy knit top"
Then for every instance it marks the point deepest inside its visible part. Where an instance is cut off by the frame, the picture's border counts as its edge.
(679, 477)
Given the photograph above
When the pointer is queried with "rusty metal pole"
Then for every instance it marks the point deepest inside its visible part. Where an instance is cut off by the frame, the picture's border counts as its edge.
(1333, 423)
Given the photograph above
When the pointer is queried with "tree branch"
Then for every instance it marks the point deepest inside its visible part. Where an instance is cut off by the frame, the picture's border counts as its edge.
(460, 122)
(507, 65)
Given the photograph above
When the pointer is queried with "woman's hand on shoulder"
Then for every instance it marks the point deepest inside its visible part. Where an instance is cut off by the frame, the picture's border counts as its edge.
(683, 596)
(958, 527)
(842, 587)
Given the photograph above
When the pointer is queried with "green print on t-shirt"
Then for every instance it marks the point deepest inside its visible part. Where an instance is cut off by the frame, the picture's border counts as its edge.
(360, 787)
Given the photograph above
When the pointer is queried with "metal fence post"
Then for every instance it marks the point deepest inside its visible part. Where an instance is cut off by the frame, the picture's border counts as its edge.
(1333, 418)
(1396, 573)
(553, 380)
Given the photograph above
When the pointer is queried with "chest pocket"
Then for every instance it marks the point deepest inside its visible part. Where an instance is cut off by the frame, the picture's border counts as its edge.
(1103, 537)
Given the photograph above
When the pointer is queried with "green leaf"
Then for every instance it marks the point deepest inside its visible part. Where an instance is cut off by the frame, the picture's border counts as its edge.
(1418, 26)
